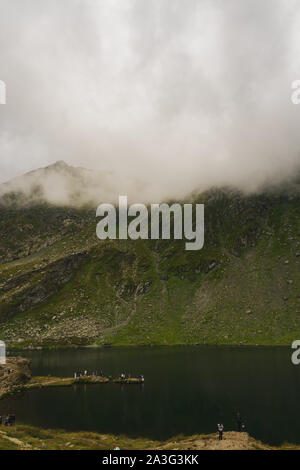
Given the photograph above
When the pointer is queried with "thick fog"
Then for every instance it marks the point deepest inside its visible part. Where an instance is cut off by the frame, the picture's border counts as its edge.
(161, 96)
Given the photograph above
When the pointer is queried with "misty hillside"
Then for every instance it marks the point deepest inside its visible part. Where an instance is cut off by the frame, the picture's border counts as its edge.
(60, 285)
(59, 184)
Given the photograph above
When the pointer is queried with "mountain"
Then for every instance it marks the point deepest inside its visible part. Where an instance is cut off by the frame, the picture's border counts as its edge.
(61, 286)
(58, 184)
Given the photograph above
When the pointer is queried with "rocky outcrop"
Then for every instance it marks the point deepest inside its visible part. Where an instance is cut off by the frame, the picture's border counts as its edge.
(38, 285)
(13, 375)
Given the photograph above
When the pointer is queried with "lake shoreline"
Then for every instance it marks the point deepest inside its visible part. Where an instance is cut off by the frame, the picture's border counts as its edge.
(63, 347)
(16, 377)
(23, 437)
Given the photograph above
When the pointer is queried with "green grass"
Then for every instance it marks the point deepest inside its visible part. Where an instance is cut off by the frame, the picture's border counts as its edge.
(28, 437)
(80, 291)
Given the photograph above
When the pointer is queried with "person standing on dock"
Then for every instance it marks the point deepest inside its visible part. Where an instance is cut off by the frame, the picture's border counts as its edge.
(220, 431)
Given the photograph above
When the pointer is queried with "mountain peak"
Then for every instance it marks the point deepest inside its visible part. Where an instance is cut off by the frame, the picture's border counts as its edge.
(58, 183)
(60, 164)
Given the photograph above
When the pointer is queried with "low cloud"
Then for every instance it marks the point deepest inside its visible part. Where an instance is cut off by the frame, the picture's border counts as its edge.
(162, 97)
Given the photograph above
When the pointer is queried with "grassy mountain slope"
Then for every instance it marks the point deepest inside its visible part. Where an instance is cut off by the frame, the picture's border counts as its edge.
(60, 285)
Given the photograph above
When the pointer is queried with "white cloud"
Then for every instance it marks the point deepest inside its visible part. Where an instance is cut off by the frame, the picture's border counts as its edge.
(177, 94)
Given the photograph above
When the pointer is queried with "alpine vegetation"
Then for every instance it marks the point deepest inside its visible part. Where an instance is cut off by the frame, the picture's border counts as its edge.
(133, 222)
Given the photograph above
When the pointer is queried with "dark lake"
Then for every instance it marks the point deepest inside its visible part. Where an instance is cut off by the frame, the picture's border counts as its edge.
(187, 390)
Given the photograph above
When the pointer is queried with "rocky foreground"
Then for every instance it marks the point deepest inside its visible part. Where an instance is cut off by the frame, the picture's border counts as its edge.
(30, 438)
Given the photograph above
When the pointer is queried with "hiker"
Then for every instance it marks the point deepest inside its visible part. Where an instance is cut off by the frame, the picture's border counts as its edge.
(85, 372)
(6, 421)
(220, 431)
(239, 422)
(11, 419)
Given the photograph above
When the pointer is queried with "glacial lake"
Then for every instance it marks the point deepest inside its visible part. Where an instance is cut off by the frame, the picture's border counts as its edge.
(187, 390)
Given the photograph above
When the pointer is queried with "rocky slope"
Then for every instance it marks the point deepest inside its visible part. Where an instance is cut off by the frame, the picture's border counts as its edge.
(60, 285)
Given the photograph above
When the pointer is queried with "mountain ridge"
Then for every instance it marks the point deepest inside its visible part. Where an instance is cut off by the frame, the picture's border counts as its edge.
(61, 286)
(58, 184)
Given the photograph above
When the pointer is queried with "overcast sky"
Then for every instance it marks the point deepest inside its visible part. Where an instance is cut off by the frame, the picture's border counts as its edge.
(178, 93)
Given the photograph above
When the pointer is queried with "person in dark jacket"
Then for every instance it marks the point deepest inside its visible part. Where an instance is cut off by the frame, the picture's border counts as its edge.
(220, 431)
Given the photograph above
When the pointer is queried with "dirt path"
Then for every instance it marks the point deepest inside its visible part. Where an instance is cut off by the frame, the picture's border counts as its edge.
(16, 441)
